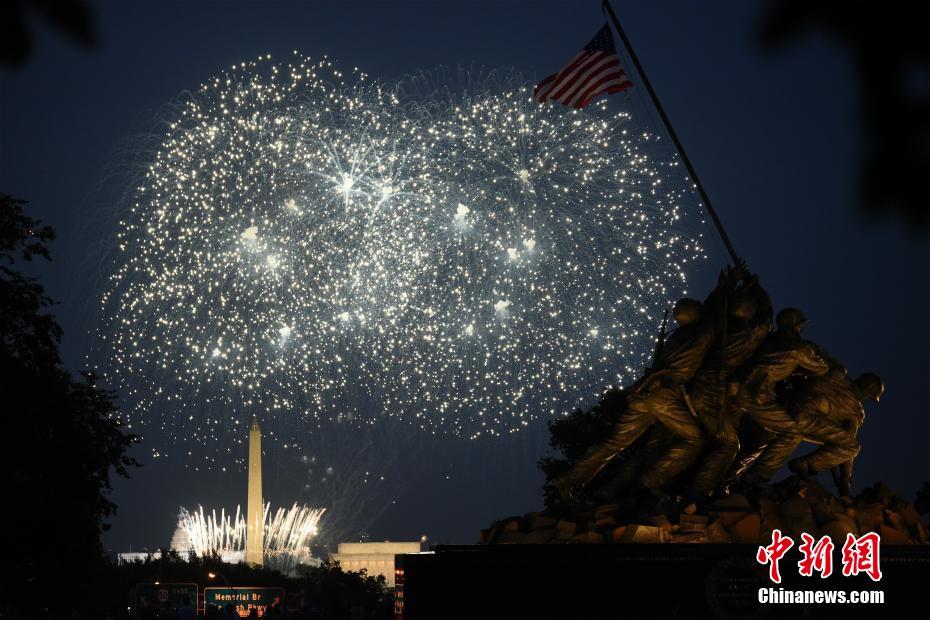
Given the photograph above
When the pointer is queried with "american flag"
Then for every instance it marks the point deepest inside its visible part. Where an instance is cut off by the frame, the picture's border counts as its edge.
(593, 71)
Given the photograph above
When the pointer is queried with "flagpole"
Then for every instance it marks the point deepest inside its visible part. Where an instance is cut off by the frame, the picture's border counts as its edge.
(671, 132)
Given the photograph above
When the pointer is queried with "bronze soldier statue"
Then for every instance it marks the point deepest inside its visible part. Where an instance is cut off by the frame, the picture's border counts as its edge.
(829, 411)
(746, 322)
(660, 397)
(779, 357)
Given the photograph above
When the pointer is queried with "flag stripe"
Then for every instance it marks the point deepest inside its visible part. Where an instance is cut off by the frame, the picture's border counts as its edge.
(543, 88)
(603, 73)
(606, 64)
(594, 71)
(578, 58)
(578, 77)
(559, 78)
(613, 86)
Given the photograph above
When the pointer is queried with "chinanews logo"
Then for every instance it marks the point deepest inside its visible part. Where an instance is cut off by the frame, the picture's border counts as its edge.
(859, 555)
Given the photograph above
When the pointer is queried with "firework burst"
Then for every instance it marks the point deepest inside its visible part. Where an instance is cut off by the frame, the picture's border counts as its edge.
(307, 245)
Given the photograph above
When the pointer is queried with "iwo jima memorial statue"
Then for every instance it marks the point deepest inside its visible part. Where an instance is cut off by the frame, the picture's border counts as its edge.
(688, 454)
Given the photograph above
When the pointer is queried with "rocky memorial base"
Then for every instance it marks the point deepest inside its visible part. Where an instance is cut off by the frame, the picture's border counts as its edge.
(790, 506)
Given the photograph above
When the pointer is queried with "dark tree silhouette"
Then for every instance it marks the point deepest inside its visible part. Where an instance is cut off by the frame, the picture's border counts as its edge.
(571, 437)
(63, 439)
(922, 503)
(327, 588)
(72, 17)
(888, 45)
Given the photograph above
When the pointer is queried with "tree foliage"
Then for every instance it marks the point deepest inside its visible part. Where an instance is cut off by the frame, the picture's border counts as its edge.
(922, 503)
(19, 18)
(64, 437)
(326, 588)
(570, 437)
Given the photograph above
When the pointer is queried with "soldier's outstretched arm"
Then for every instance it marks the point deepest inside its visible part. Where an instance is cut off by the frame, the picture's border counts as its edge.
(740, 269)
(715, 299)
(831, 361)
(810, 360)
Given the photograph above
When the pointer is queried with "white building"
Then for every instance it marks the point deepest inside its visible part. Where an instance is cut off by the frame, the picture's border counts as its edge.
(180, 542)
(137, 556)
(377, 558)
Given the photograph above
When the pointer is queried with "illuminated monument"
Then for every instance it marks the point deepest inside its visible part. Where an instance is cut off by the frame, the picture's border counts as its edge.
(279, 537)
(255, 508)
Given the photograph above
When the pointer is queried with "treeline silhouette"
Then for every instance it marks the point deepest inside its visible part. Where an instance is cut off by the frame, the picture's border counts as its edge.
(63, 441)
(315, 592)
(888, 48)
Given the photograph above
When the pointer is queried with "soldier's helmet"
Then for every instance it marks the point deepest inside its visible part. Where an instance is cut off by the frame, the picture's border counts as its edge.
(870, 386)
(790, 320)
(743, 308)
(687, 311)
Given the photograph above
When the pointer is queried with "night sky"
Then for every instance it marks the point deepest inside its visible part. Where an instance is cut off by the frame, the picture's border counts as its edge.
(774, 135)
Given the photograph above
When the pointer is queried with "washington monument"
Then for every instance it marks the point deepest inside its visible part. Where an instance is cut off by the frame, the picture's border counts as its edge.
(255, 532)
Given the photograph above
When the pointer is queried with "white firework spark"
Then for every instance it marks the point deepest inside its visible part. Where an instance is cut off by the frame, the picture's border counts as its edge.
(306, 245)
(287, 533)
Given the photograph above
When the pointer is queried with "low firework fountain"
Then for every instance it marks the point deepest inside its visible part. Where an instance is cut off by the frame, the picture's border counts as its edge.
(287, 534)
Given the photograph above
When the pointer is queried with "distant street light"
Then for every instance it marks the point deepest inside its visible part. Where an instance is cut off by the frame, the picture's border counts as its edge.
(212, 576)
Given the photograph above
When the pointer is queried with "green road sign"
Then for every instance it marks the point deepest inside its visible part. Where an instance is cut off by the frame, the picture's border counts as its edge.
(160, 595)
(245, 598)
